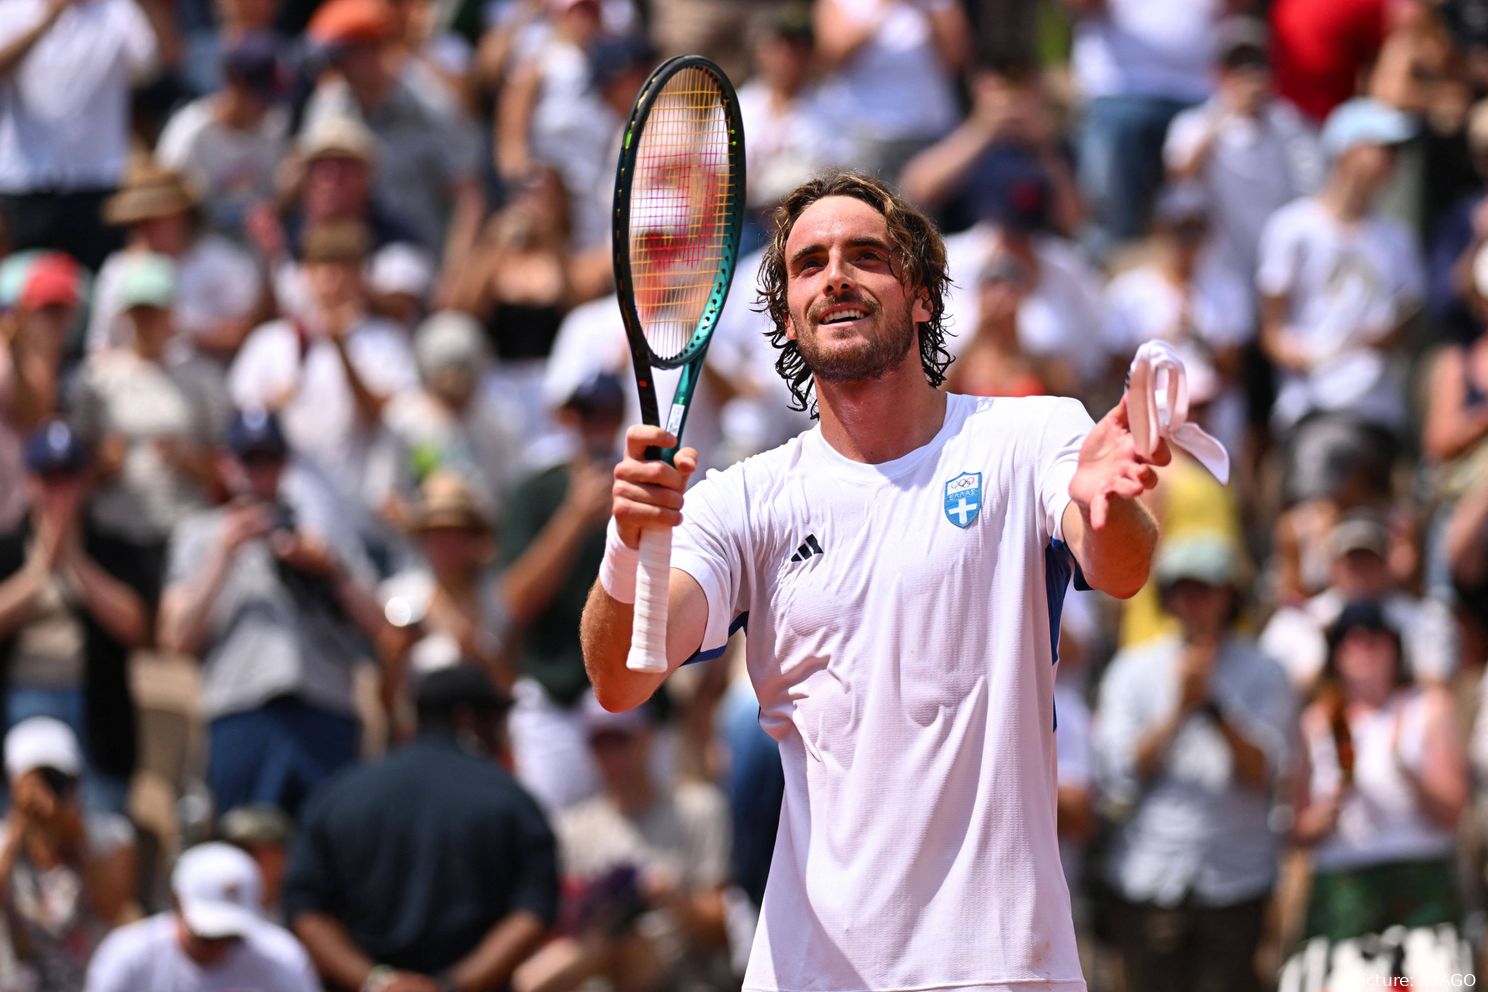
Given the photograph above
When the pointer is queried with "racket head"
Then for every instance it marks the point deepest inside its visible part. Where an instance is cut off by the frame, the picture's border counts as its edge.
(678, 212)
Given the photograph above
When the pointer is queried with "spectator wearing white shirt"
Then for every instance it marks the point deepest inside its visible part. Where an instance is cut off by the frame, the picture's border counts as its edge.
(65, 73)
(232, 142)
(1338, 282)
(213, 939)
(221, 292)
(1136, 64)
(1252, 152)
(331, 374)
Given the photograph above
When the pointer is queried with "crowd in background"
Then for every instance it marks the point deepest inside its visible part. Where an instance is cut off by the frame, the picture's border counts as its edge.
(312, 373)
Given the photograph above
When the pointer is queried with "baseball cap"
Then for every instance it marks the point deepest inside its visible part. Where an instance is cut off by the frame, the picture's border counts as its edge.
(612, 58)
(1202, 556)
(1241, 41)
(446, 500)
(42, 742)
(449, 339)
(53, 279)
(218, 890)
(1360, 614)
(1364, 121)
(253, 61)
(1358, 532)
(600, 393)
(55, 447)
(336, 241)
(338, 136)
(350, 22)
(255, 430)
(464, 685)
(403, 269)
(147, 280)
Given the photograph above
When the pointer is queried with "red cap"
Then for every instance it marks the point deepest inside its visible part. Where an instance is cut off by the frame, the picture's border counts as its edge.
(53, 280)
(351, 22)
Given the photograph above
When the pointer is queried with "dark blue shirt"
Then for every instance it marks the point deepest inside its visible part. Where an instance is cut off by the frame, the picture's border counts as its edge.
(421, 854)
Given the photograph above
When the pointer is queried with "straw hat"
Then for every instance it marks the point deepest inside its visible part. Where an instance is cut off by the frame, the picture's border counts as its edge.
(149, 192)
(445, 500)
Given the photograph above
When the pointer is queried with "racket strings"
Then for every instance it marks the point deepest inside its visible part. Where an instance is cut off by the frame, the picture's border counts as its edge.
(682, 204)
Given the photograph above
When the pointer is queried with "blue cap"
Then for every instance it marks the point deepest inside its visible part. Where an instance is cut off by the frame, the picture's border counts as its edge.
(55, 447)
(1362, 121)
(613, 57)
(600, 393)
(256, 431)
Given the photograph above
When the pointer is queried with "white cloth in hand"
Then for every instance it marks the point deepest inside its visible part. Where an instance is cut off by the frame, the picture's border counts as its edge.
(1157, 408)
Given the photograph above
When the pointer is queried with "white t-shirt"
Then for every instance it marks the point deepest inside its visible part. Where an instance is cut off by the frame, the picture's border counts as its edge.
(900, 622)
(1059, 317)
(1348, 286)
(64, 111)
(215, 281)
(1159, 48)
(233, 169)
(1253, 168)
(147, 955)
(895, 86)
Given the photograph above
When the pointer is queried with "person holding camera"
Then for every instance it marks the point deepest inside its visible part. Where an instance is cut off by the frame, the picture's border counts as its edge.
(273, 595)
(1192, 732)
(67, 876)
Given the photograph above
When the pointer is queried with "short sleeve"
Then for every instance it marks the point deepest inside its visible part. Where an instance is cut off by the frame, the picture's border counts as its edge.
(173, 149)
(113, 966)
(309, 878)
(384, 360)
(708, 546)
(1184, 136)
(141, 47)
(1059, 452)
(1276, 269)
(535, 884)
(188, 550)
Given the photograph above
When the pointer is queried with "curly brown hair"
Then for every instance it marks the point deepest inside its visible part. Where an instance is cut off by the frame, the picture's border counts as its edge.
(919, 259)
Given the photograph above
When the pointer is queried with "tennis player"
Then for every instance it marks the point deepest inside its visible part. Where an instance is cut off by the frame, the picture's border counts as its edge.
(900, 570)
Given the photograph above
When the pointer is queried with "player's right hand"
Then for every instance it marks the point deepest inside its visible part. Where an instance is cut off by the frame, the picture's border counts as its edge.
(649, 493)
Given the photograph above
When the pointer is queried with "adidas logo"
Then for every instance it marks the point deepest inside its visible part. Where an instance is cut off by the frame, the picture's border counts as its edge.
(808, 548)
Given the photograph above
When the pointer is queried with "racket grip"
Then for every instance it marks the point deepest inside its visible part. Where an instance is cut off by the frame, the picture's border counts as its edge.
(653, 579)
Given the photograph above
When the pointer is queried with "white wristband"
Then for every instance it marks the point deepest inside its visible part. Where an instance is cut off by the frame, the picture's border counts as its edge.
(617, 570)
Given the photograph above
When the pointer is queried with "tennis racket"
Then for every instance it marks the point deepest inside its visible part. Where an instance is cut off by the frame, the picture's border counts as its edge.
(679, 201)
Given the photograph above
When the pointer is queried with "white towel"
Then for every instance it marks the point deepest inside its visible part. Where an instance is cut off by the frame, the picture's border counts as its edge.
(1157, 407)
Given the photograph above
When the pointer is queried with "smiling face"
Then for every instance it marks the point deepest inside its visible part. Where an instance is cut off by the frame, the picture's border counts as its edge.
(850, 314)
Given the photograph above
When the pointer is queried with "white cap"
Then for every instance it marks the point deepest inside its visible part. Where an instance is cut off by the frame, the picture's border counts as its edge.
(1364, 121)
(42, 742)
(401, 268)
(450, 339)
(218, 890)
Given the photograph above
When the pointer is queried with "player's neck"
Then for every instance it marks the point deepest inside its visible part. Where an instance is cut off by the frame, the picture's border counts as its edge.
(878, 420)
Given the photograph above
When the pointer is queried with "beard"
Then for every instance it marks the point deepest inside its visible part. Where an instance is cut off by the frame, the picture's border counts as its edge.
(870, 359)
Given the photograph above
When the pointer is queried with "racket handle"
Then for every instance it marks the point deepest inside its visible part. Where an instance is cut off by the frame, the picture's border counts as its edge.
(653, 580)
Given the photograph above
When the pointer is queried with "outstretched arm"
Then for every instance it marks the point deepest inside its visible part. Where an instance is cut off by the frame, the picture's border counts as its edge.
(1106, 525)
(647, 494)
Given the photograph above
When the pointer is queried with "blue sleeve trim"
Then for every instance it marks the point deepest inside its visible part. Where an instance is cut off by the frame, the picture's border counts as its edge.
(1059, 567)
(740, 622)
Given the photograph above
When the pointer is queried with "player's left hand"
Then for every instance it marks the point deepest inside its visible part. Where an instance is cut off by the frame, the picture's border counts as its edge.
(1110, 467)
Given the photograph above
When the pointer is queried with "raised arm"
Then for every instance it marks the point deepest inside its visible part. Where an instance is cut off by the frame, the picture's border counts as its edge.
(647, 494)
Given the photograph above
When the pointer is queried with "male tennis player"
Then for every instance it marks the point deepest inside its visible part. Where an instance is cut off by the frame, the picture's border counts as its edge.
(900, 570)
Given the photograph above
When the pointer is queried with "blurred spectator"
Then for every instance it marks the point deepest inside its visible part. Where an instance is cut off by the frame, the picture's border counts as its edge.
(427, 155)
(331, 373)
(436, 60)
(400, 282)
(459, 420)
(68, 876)
(791, 134)
(263, 833)
(1185, 297)
(1338, 282)
(1136, 64)
(431, 862)
(1193, 732)
(1011, 125)
(713, 28)
(1054, 293)
(274, 599)
(220, 293)
(993, 362)
(1359, 548)
(213, 939)
(649, 861)
(65, 73)
(69, 624)
(1455, 247)
(1251, 152)
(153, 415)
(233, 142)
(520, 283)
(1381, 785)
(35, 328)
(552, 111)
(573, 495)
(890, 73)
